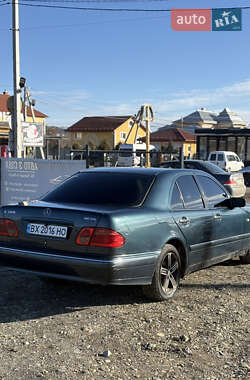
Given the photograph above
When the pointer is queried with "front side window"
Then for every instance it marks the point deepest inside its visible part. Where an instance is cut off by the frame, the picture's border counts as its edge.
(220, 157)
(77, 135)
(213, 192)
(190, 192)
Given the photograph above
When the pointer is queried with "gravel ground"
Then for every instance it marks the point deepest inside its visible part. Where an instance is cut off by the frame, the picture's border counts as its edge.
(73, 331)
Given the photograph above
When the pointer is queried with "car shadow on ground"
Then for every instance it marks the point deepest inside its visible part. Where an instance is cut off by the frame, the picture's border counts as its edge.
(26, 296)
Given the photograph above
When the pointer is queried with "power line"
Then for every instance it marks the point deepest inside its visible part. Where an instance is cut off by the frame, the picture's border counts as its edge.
(96, 1)
(109, 9)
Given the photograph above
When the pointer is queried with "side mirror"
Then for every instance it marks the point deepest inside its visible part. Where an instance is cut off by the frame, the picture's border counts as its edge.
(232, 203)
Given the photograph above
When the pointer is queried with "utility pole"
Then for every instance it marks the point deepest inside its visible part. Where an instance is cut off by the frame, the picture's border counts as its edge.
(16, 114)
(147, 114)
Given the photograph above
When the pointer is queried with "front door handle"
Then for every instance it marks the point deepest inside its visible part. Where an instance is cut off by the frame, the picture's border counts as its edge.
(217, 216)
(184, 220)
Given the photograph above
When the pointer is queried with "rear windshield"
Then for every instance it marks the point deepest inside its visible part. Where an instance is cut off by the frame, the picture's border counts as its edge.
(128, 189)
(212, 168)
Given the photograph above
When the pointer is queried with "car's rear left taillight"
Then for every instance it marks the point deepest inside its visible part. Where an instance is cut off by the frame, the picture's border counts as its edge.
(100, 237)
(8, 228)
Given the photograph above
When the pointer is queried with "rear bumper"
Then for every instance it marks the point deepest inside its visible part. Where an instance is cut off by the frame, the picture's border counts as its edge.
(131, 269)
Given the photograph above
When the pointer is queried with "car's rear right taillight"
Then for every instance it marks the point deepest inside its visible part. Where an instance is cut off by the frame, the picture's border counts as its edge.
(100, 237)
(84, 236)
(103, 237)
(8, 228)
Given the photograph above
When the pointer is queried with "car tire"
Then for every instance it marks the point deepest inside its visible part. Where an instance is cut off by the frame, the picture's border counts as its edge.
(246, 258)
(167, 275)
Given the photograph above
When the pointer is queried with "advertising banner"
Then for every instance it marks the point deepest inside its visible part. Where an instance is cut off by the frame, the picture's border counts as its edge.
(29, 179)
(32, 134)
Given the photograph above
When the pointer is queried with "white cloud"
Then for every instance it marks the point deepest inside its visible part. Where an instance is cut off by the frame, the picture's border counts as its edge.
(68, 107)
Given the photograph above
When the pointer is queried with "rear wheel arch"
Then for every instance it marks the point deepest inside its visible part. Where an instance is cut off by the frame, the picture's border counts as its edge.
(245, 259)
(182, 252)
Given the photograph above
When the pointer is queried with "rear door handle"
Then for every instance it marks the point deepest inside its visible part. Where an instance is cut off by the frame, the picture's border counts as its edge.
(184, 220)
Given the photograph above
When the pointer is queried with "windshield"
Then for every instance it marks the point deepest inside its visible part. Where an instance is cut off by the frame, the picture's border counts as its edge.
(231, 157)
(128, 189)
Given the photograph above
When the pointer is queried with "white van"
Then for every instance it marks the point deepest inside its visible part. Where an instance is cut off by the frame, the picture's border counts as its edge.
(132, 154)
(228, 161)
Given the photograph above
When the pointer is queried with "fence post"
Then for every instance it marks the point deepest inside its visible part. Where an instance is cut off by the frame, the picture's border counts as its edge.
(181, 157)
(87, 156)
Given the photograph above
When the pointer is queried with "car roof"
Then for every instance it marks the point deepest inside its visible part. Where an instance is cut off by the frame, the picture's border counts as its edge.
(145, 171)
(137, 170)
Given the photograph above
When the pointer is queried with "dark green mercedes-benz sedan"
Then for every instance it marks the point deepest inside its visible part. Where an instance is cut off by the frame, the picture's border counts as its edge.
(127, 226)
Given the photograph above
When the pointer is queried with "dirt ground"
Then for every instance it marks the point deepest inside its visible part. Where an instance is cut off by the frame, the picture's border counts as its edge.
(73, 331)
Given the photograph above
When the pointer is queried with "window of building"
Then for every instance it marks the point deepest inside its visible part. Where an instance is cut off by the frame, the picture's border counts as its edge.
(77, 135)
(241, 147)
(222, 143)
(203, 147)
(212, 143)
(231, 144)
(123, 135)
(248, 149)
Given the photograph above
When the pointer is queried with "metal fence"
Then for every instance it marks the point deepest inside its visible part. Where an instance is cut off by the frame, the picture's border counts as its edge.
(99, 158)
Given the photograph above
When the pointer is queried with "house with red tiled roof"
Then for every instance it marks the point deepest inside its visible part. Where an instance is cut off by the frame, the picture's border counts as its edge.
(172, 139)
(104, 132)
(6, 104)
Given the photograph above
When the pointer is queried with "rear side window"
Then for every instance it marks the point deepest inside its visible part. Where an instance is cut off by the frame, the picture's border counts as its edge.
(176, 201)
(213, 157)
(213, 192)
(190, 192)
(102, 188)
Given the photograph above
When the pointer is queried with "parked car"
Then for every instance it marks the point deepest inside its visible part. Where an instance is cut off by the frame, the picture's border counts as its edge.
(228, 161)
(127, 226)
(233, 182)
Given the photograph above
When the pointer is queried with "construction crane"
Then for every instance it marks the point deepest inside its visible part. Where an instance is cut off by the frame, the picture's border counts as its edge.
(146, 114)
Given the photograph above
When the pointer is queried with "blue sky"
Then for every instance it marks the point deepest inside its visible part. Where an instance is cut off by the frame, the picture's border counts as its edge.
(92, 63)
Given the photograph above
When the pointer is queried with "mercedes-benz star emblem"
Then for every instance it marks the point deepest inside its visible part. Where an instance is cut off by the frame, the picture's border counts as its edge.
(47, 212)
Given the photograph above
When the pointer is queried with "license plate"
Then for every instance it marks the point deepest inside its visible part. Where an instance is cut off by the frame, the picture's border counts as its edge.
(47, 230)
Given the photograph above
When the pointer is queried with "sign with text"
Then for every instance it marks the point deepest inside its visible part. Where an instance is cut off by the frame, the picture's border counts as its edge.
(32, 134)
(191, 19)
(28, 179)
(219, 19)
